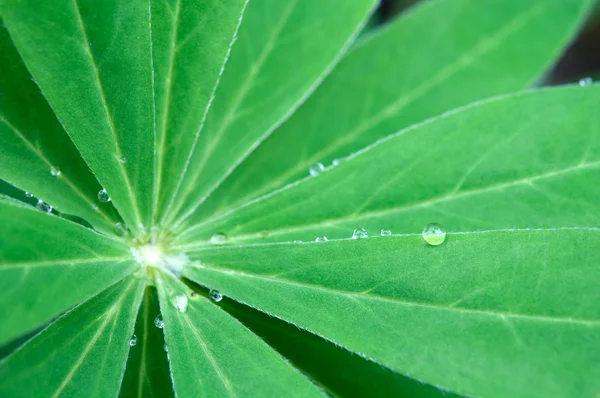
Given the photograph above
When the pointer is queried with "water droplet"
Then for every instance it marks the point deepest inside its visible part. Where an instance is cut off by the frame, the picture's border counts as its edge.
(133, 340)
(55, 171)
(29, 195)
(434, 234)
(95, 208)
(180, 302)
(360, 233)
(218, 238)
(43, 206)
(321, 239)
(586, 82)
(297, 241)
(103, 196)
(216, 295)
(120, 229)
(123, 159)
(158, 322)
(165, 347)
(386, 232)
(316, 169)
(336, 162)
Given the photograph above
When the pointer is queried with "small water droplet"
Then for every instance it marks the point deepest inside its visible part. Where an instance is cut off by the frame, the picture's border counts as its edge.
(43, 206)
(95, 207)
(180, 302)
(120, 229)
(297, 241)
(133, 340)
(216, 295)
(29, 195)
(158, 322)
(316, 169)
(360, 233)
(165, 347)
(336, 162)
(321, 239)
(123, 159)
(586, 82)
(103, 196)
(434, 234)
(218, 238)
(55, 171)
(386, 232)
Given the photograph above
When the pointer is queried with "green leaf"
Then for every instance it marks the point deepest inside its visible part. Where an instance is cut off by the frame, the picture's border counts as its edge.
(147, 372)
(339, 372)
(191, 40)
(261, 86)
(92, 60)
(438, 56)
(501, 314)
(504, 163)
(48, 264)
(212, 354)
(82, 353)
(34, 145)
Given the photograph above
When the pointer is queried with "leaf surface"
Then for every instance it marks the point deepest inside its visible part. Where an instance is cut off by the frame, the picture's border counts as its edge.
(504, 163)
(438, 56)
(34, 145)
(212, 354)
(82, 353)
(92, 61)
(41, 275)
(499, 313)
(261, 85)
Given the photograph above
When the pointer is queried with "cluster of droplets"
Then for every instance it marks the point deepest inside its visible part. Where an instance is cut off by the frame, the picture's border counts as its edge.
(433, 233)
(587, 81)
(318, 168)
(55, 172)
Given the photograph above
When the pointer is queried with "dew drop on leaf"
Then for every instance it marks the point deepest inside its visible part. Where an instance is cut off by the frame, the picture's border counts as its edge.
(123, 159)
(158, 322)
(586, 82)
(434, 234)
(216, 295)
(120, 229)
(386, 232)
(55, 171)
(133, 340)
(360, 233)
(336, 162)
(165, 347)
(316, 169)
(43, 206)
(180, 302)
(103, 196)
(218, 238)
(95, 208)
(29, 195)
(297, 241)
(321, 239)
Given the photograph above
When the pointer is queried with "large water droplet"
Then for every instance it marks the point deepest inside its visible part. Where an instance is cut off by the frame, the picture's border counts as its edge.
(321, 239)
(434, 234)
(29, 194)
(316, 169)
(55, 171)
(386, 232)
(360, 233)
(216, 295)
(180, 302)
(43, 206)
(103, 196)
(133, 340)
(158, 322)
(586, 82)
(218, 238)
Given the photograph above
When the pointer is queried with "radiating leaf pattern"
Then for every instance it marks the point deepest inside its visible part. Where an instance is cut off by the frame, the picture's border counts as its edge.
(213, 354)
(33, 253)
(438, 56)
(82, 353)
(519, 305)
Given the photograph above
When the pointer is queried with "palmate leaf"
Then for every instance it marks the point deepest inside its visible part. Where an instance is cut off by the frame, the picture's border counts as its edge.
(82, 353)
(41, 276)
(104, 98)
(440, 55)
(212, 354)
(34, 146)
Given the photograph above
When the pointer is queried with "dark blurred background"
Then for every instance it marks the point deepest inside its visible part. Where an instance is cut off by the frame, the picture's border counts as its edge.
(580, 60)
